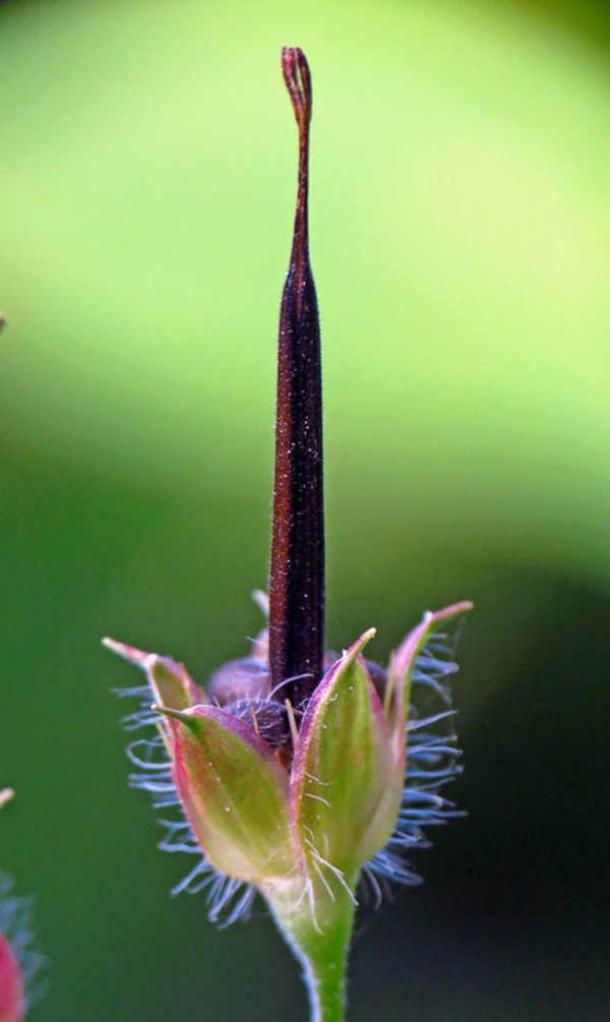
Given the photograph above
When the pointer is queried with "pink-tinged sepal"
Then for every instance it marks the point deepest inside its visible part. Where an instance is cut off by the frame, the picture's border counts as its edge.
(234, 793)
(424, 738)
(248, 677)
(342, 770)
(169, 683)
(404, 659)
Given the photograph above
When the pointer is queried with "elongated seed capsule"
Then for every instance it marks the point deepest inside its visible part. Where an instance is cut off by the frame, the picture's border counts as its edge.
(296, 584)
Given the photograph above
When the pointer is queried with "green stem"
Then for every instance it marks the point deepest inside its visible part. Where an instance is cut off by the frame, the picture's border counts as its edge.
(325, 967)
(321, 944)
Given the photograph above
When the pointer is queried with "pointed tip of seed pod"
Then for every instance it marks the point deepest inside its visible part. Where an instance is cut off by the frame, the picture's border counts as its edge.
(298, 82)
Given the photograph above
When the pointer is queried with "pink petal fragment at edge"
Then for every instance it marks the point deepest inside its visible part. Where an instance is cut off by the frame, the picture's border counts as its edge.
(12, 1001)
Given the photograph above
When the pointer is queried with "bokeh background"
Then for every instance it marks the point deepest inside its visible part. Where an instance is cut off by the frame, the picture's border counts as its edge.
(461, 229)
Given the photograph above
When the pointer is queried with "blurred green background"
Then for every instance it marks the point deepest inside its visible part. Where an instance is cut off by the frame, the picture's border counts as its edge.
(460, 229)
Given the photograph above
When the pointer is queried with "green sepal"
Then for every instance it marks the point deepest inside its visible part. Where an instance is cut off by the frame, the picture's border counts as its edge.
(402, 662)
(343, 765)
(170, 683)
(234, 793)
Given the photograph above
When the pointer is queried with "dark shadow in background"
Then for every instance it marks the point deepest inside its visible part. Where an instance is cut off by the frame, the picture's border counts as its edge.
(512, 922)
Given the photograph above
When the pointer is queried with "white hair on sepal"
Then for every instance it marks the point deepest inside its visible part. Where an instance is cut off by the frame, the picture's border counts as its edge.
(227, 900)
(433, 761)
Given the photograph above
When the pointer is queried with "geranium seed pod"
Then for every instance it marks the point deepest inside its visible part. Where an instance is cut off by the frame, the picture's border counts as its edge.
(296, 578)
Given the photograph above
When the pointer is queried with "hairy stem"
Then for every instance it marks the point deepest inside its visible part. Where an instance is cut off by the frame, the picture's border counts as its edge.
(325, 969)
(320, 940)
